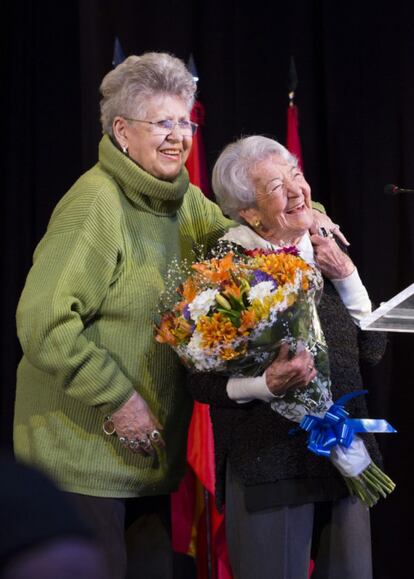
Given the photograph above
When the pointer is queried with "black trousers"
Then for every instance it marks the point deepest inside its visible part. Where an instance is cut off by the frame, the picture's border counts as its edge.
(134, 534)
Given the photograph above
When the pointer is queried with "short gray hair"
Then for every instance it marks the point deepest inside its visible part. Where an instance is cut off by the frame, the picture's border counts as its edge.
(126, 89)
(232, 181)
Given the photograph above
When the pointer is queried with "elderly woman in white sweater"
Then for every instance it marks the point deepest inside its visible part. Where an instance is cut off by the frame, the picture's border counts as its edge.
(278, 494)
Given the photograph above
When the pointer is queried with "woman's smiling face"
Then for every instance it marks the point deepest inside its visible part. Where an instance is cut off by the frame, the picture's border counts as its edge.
(283, 199)
(163, 156)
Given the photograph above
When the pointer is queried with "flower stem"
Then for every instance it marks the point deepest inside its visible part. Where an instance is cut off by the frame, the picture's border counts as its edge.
(370, 485)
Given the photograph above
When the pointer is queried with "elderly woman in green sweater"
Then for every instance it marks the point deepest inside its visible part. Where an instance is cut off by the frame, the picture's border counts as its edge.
(85, 319)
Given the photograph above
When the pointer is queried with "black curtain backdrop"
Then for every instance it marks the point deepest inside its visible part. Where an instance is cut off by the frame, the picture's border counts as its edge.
(356, 104)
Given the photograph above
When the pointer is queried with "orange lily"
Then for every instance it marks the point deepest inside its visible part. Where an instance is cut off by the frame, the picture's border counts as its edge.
(231, 289)
(188, 290)
(216, 270)
(164, 334)
(172, 330)
(248, 320)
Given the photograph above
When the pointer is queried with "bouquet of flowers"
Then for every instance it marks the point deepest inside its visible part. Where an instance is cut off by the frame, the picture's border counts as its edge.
(226, 314)
(231, 314)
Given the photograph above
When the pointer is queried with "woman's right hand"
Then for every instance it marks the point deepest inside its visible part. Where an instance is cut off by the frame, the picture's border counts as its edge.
(285, 373)
(136, 426)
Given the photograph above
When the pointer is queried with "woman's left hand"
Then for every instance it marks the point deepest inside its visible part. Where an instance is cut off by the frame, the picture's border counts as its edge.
(332, 261)
(321, 220)
(136, 426)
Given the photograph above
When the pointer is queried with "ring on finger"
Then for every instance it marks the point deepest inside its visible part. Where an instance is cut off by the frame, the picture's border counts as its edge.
(133, 444)
(123, 440)
(108, 426)
(323, 232)
(155, 435)
(144, 443)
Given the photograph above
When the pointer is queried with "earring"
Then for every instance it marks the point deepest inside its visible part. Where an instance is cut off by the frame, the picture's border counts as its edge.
(125, 150)
(256, 223)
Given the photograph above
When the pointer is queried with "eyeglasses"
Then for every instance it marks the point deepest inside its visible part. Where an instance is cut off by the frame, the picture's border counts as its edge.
(166, 126)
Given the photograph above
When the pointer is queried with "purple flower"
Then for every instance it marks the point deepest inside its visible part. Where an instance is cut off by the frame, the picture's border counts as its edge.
(259, 276)
(186, 313)
(292, 249)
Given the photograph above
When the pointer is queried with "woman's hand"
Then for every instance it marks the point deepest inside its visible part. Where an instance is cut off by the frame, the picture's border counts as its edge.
(136, 426)
(284, 374)
(333, 262)
(321, 220)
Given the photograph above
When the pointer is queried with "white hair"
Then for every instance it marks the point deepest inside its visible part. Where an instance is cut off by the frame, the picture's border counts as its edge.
(127, 88)
(232, 181)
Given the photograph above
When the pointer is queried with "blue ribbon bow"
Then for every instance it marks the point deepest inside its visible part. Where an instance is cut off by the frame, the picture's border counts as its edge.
(336, 428)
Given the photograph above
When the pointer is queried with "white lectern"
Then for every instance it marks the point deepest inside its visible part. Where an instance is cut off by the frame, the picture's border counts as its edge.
(396, 315)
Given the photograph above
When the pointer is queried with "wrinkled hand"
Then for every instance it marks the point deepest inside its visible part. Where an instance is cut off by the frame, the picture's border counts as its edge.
(134, 422)
(322, 220)
(284, 374)
(332, 261)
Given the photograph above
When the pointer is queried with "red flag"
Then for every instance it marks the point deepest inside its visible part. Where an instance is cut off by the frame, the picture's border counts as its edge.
(196, 162)
(200, 447)
(197, 527)
(292, 133)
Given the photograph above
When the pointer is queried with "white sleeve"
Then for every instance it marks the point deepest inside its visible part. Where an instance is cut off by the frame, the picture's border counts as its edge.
(354, 296)
(246, 389)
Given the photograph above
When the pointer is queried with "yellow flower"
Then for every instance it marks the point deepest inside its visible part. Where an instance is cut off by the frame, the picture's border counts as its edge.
(261, 309)
(215, 330)
(290, 299)
(183, 329)
(282, 267)
(229, 354)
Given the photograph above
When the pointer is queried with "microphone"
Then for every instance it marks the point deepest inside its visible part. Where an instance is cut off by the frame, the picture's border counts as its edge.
(394, 190)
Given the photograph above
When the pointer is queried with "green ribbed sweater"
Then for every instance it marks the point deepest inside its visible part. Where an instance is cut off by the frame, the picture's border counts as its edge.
(85, 322)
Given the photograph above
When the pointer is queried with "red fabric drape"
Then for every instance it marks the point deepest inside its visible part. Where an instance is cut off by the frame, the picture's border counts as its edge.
(197, 527)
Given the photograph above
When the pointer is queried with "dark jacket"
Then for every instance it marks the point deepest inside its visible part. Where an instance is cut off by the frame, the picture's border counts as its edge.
(256, 440)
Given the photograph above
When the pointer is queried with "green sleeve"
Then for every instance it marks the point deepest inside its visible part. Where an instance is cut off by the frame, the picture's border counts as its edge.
(318, 206)
(65, 288)
(208, 219)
